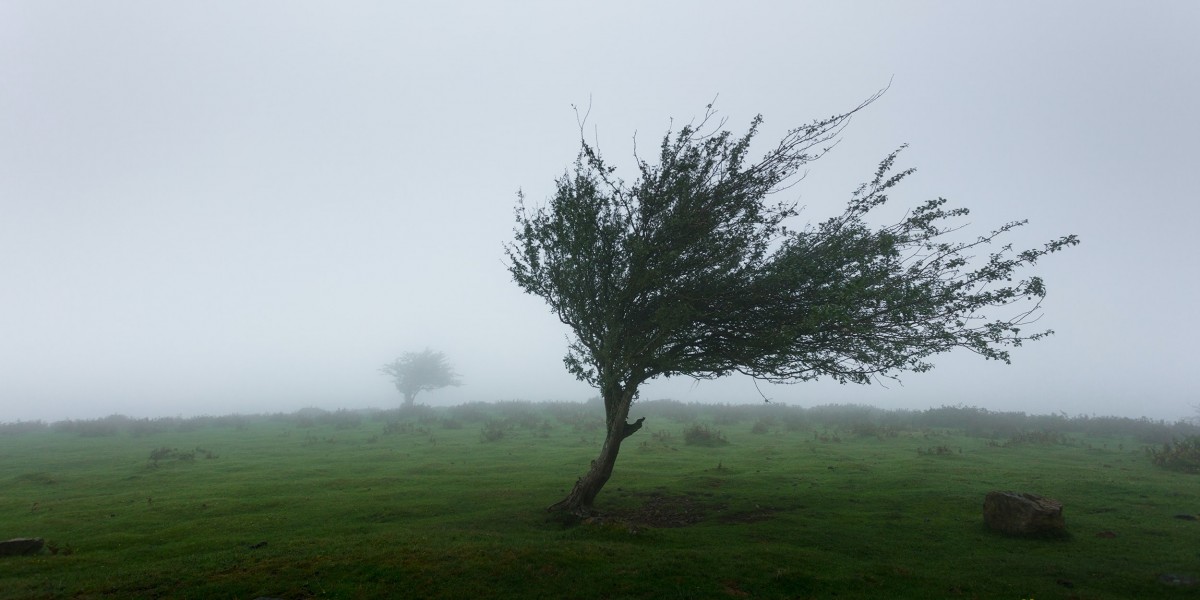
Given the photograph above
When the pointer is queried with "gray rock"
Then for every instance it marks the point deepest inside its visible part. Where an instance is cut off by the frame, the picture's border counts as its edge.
(1022, 514)
(20, 546)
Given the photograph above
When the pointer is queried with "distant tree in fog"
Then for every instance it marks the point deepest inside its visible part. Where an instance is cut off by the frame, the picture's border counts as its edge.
(689, 270)
(416, 372)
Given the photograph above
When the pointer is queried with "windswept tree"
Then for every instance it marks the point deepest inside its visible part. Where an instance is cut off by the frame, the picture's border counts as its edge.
(689, 270)
(416, 372)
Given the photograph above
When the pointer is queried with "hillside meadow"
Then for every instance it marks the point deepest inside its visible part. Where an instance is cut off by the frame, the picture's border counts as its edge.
(761, 501)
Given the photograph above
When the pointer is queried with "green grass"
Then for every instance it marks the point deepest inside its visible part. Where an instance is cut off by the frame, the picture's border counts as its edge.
(434, 512)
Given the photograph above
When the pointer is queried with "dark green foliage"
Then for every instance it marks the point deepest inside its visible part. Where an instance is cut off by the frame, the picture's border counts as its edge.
(701, 435)
(1178, 455)
(690, 270)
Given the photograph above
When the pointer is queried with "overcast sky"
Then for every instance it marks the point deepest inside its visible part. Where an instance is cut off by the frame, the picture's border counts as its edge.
(215, 207)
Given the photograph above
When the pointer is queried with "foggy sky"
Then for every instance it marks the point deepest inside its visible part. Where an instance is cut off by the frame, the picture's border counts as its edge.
(217, 207)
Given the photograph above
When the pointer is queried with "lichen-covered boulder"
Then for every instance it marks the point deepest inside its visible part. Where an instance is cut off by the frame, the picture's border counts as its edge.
(19, 546)
(1022, 514)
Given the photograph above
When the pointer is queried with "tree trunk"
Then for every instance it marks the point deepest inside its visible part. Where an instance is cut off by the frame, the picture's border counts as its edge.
(579, 501)
(410, 399)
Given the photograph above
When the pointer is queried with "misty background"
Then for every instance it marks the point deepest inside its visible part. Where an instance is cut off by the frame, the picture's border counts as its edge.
(221, 207)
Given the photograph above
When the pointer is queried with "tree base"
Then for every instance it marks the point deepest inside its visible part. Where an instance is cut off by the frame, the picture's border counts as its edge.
(564, 518)
(583, 494)
(574, 505)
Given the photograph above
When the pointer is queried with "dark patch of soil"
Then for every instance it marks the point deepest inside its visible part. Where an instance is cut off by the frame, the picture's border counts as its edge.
(681, 510)
(662, 510)
(761, 513)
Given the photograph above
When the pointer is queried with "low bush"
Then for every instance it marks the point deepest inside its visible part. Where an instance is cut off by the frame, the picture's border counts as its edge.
(165, 453)
(1178, 455)
(763, 425)
(492, 431)
(701, 435)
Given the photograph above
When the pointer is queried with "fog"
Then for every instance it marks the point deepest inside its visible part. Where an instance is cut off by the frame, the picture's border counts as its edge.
(221, 207)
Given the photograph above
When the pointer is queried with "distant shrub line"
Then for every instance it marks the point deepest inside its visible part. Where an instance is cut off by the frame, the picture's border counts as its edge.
(587, 418)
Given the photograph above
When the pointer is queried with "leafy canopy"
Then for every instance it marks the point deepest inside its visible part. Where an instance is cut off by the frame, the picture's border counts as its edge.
(415, 372)
(689, 270)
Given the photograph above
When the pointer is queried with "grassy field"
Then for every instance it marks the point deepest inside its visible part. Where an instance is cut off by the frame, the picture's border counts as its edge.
(449, 504)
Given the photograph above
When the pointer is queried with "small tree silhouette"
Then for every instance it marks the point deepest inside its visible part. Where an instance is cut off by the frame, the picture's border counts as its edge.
(415, 372)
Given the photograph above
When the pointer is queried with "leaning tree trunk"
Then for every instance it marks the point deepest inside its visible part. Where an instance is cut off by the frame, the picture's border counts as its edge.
(579, 501)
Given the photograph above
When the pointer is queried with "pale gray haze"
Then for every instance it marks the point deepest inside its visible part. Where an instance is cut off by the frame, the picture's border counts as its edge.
(217, 207)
